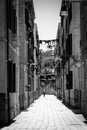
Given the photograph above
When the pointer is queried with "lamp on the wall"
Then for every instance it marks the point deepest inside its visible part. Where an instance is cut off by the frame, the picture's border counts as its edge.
(64, 11)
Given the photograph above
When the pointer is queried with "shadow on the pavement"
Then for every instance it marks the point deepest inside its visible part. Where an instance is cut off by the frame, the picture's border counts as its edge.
(75, 110)
(6, 124)
(26, 110)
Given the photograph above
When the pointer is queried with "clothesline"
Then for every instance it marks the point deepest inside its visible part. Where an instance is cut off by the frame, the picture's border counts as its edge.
(48, 41)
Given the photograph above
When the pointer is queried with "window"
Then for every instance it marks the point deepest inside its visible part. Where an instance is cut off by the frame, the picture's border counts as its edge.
(11, 76)
(69, 80)
(70, 12)
(12, 19)
(67, 26)
(27, 18)
(70, 44)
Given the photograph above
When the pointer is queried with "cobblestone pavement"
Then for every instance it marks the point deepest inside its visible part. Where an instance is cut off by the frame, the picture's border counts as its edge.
(47, 114)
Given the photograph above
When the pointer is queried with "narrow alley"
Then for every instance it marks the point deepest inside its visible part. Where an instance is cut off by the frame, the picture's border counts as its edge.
(43, 50)
(47, 113)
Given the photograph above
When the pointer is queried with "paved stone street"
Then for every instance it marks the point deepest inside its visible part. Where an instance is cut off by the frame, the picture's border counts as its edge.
(47, 114)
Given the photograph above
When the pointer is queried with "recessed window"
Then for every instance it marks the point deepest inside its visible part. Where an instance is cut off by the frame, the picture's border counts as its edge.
(70, 12)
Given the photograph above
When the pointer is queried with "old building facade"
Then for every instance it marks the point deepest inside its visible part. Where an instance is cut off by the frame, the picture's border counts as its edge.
(58, 63)
(16, 57)
(36, 63)
(9, 61)
(83, 45)
(70, 22)
(73, 58)
(26, 28)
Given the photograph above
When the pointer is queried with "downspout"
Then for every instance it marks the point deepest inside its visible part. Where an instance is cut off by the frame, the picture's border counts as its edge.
(8, 96)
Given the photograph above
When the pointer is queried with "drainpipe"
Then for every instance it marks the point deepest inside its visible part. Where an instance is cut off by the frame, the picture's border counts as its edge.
(8, 96)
